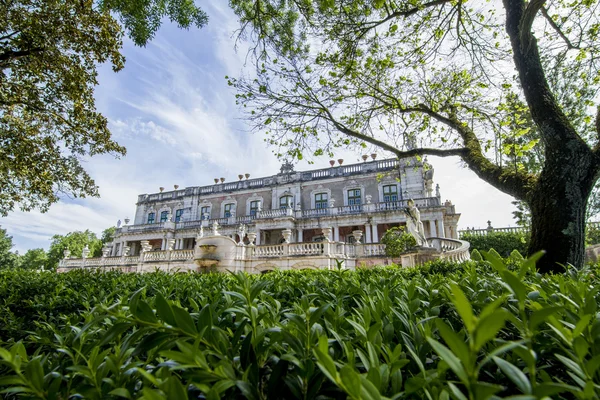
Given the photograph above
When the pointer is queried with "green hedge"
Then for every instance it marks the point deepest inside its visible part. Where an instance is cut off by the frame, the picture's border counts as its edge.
(441, 331)
(503, 242)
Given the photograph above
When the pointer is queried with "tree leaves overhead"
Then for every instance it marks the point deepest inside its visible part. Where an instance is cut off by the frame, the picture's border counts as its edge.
(49, 52)
(509, 86)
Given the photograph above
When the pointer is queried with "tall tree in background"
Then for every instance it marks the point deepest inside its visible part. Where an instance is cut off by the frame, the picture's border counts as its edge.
(445, 78)
(8, 259)
(34, 259)
(75, 243)
(49, 52)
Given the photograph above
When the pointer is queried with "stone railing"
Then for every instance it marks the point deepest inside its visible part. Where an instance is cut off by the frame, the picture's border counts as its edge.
(305, 249)
(182, 255)
(451, 249)
(372, 249)
(276, 250)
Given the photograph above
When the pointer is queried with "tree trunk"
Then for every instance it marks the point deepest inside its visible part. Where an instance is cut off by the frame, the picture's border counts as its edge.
(558, 204)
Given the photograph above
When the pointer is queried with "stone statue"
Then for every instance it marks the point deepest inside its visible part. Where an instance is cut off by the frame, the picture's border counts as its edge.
(414, 226)
(201, 232)
(215, 228)
(242, 232)
(118, 223)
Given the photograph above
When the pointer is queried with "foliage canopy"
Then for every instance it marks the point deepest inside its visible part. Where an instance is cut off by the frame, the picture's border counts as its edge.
(49, 52)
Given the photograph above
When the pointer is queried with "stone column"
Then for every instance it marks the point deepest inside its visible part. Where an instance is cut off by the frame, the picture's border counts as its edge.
(440, 224)
(336, 233)
(299, 235)
(368, 233)
(432, 231)
(375, 234)
(258, 235)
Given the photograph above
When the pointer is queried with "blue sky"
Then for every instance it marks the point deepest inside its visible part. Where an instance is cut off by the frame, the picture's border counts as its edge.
(173, 111)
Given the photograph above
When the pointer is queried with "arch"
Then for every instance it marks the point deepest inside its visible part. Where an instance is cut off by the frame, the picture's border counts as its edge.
(264, 267)
(304, 265)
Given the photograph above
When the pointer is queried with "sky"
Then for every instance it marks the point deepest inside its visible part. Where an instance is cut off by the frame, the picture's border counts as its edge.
(172, 109)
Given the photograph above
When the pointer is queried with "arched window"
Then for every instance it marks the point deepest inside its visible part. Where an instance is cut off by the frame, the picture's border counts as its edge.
(286, 201)
(151, 217)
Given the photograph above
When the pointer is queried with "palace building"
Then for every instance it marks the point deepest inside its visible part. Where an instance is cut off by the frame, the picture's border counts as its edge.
(291, 207)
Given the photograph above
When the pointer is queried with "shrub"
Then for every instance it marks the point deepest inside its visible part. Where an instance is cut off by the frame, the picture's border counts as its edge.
(397, 241)
(472, 330)
(503, 242)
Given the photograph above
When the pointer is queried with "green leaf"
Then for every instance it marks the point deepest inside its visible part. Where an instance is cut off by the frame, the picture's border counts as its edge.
(514, 374)
(456, 344)
(463, 307)
(120, 392)
(454, 363)
(539, 316)
(163, 309)
(183, 320)
(488, 328)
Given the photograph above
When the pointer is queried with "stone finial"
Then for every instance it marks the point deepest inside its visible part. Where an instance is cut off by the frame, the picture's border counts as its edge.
(170, 244)
(287, 234)
(105, 251)
(368, 197)
(85, 252)
(489, 227)
(251, 238)
(126, 250)
(358, 234)
(67, 253)
(331, 202)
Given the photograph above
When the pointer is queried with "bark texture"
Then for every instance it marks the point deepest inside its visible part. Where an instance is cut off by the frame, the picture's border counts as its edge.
(558, 199)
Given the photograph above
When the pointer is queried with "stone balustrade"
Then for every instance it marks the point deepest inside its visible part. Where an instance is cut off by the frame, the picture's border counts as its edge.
(297, 214)
(449, 249)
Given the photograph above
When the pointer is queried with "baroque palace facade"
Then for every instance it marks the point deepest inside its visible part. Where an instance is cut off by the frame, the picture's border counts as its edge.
(291, 207)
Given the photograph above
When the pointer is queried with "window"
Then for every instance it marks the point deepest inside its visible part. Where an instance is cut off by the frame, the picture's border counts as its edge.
(178, 215)
(254, 205)
(151, 218)
(286, 201)
(205, 212)
(164, 216)
(321, 200)
(354, 197)
(390, 193)
(227, 210)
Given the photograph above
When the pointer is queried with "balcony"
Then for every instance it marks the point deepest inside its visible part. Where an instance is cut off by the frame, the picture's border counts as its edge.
(394, 206)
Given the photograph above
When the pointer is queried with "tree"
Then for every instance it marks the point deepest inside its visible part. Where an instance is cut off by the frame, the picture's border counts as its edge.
(445, 78)
(34, 259)
(75, 242)
(49, 52)
(8, 259)
(108, 234)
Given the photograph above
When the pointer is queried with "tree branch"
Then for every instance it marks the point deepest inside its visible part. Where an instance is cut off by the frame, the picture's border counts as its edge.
(527, 21)
(554, 26)
(10, 54)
